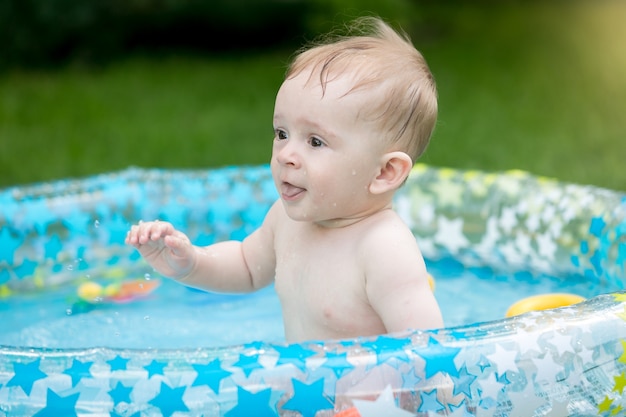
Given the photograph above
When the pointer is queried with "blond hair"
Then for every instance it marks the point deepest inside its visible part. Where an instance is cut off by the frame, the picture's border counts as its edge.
(385, 60)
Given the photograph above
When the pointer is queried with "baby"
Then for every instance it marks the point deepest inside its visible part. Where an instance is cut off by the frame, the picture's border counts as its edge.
(349, 120)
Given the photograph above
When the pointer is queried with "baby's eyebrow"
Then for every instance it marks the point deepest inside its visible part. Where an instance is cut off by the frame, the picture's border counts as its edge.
(317, 128)
(277, 118)
(311, 125)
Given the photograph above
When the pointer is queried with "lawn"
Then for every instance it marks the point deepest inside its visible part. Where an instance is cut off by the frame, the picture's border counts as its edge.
(537, 87)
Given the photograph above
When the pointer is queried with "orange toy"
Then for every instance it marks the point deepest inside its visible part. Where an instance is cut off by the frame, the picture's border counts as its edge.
(350, 412)
(125, 292)
(131, 290)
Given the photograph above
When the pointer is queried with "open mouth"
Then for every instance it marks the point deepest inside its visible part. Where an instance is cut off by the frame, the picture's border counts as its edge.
(290, 192)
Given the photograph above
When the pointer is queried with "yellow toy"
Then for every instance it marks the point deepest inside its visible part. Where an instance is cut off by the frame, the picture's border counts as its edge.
(543, 302)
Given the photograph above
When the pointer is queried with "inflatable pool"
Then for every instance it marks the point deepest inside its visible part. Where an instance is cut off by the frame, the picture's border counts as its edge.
(568, 361)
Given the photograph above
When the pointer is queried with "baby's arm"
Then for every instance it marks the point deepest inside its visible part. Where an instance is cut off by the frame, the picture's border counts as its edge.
(224, 266)
(397, 282)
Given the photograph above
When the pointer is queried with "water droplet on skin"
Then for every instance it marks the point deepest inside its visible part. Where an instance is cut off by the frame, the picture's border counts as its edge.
(354, 172)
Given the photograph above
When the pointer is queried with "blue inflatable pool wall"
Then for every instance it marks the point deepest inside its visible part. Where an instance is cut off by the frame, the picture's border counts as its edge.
(568, 361)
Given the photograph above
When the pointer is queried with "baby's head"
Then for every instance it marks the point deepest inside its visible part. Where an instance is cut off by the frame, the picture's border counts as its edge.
(403, 99)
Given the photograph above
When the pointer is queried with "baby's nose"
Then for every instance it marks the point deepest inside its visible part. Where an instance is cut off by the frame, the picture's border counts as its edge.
(288, 155)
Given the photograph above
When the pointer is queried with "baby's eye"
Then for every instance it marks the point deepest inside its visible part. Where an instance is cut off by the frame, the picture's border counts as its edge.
(280, 134)
(316, 142)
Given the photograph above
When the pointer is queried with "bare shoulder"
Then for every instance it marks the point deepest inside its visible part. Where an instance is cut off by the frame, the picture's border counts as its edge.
(396, 280)
(389, 250)
(386, 229)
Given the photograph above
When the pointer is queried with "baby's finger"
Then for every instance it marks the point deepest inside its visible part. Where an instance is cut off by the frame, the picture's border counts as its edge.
(132, 237)
(145, 233)
(159, 230)
(153, 231)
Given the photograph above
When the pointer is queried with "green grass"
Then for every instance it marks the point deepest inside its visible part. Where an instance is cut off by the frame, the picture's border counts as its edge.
(538, 87)
(165, 113)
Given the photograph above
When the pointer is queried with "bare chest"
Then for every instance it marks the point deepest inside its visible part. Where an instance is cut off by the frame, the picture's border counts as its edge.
(313, 265)
(321, 284)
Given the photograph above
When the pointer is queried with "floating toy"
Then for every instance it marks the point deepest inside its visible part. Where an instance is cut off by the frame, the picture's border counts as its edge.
(543, 302)
(123, 292)
(348, 412)
(569, 361)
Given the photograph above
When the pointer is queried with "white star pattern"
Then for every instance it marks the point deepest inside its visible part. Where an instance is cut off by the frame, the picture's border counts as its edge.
(586, 356)
(450, 234)
(426, 214)
(511, 253)
(555, 228)
(562, 343)
(546, 244)
(548, 213)
(508, 220)
(526, 340)
(547, 369)
(568, 212)
(532, 223)
(585, 199)
(385, 405)
(504, 359)
(490, 386)
(522, 241)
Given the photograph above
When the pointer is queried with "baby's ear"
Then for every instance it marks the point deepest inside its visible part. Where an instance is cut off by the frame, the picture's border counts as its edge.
(395, 168)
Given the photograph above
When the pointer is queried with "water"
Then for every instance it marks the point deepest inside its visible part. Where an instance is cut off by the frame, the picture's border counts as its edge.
(174, 316)
(475, 295)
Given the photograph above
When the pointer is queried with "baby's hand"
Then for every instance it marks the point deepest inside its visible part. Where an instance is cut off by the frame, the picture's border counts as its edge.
(167, 250)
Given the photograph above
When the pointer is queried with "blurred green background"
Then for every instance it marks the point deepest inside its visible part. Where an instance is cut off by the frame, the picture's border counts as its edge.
(95, 86)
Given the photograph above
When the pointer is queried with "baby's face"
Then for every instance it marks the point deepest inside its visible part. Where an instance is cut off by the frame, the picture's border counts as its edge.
(324, 155)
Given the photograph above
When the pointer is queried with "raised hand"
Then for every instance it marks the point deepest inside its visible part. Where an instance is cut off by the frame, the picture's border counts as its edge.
(167, 250)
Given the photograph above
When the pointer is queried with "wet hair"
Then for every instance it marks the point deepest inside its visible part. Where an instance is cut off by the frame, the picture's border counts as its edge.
(404, 102)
